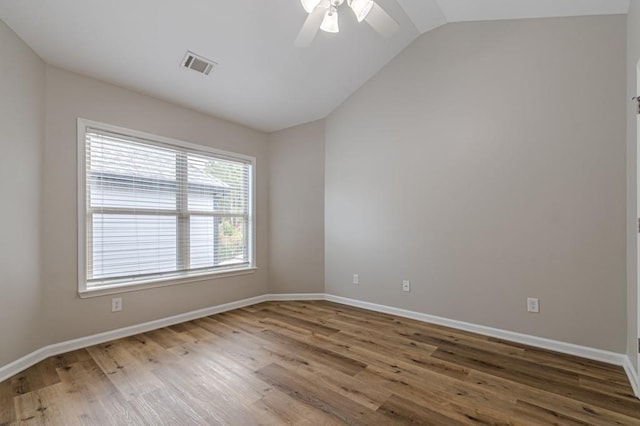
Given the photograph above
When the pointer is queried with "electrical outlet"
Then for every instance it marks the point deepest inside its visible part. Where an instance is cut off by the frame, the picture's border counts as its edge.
(356, 279)
(406, 285)
(533, 305)
(116, 304)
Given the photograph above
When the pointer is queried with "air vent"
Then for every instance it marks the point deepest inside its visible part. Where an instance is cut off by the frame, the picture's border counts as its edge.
(198, 63)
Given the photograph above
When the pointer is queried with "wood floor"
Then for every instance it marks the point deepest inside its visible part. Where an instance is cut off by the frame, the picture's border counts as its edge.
(308, 363)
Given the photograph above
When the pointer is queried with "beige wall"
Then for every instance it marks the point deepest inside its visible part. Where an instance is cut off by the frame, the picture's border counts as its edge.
(296, 209)
(69, 96)
(486, 164)
(633, 56)
(21, 135)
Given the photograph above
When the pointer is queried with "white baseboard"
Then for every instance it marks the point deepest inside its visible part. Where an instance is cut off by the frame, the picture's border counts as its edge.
(27, 361)
(568, 348)
(539, 342)
(23, 363)
(632, 375)
(295, 296)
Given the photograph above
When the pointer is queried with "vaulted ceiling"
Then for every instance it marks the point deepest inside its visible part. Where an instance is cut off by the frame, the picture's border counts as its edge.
(262, 80)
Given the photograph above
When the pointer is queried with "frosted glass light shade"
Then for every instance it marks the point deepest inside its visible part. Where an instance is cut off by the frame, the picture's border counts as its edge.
(309, 5)
(361, 8)
(330, 21)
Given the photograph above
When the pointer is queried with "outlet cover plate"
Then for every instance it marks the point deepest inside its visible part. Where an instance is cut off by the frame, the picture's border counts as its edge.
(116, 304)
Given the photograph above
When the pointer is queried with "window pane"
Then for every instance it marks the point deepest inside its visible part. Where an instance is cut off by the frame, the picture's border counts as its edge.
(126, 245)
(126, 174)
(203, 200)
(202, 238)
(130, 192)
(217, 241)
(218, 185)
(160, 210)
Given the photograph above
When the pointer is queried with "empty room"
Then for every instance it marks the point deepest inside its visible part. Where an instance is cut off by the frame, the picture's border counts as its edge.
(319, 212)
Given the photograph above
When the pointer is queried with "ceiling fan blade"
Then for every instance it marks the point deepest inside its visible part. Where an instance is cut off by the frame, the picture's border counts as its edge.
(310, 28)
(381, 21)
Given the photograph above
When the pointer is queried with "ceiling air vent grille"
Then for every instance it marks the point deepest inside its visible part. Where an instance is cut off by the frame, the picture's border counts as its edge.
(198, 63)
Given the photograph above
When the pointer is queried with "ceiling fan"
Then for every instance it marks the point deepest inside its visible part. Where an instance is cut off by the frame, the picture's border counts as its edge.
(323, 15)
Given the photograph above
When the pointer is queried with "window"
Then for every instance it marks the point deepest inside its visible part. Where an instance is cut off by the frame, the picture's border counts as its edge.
(154, 210)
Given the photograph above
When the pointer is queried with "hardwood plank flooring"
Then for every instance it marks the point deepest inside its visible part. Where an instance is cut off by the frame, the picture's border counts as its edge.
(316, 363)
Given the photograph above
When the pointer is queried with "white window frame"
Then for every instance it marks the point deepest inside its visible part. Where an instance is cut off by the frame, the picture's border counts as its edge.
(85, 291)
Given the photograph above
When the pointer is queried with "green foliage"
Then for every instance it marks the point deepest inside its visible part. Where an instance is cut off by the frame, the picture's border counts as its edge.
(227, 229)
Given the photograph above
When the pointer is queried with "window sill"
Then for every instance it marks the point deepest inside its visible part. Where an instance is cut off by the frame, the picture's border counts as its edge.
(137, 286)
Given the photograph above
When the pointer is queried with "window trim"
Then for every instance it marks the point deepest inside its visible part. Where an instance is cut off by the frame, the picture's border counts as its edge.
(193, 276)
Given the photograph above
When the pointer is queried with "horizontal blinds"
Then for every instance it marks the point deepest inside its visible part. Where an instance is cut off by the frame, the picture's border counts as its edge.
(157, 210)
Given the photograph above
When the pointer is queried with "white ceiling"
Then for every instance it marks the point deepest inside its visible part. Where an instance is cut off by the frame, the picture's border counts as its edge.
(262, 80)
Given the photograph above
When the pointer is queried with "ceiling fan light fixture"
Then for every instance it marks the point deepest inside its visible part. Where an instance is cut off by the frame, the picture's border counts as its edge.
(330, 21)
(309, 5)
(361, 8)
